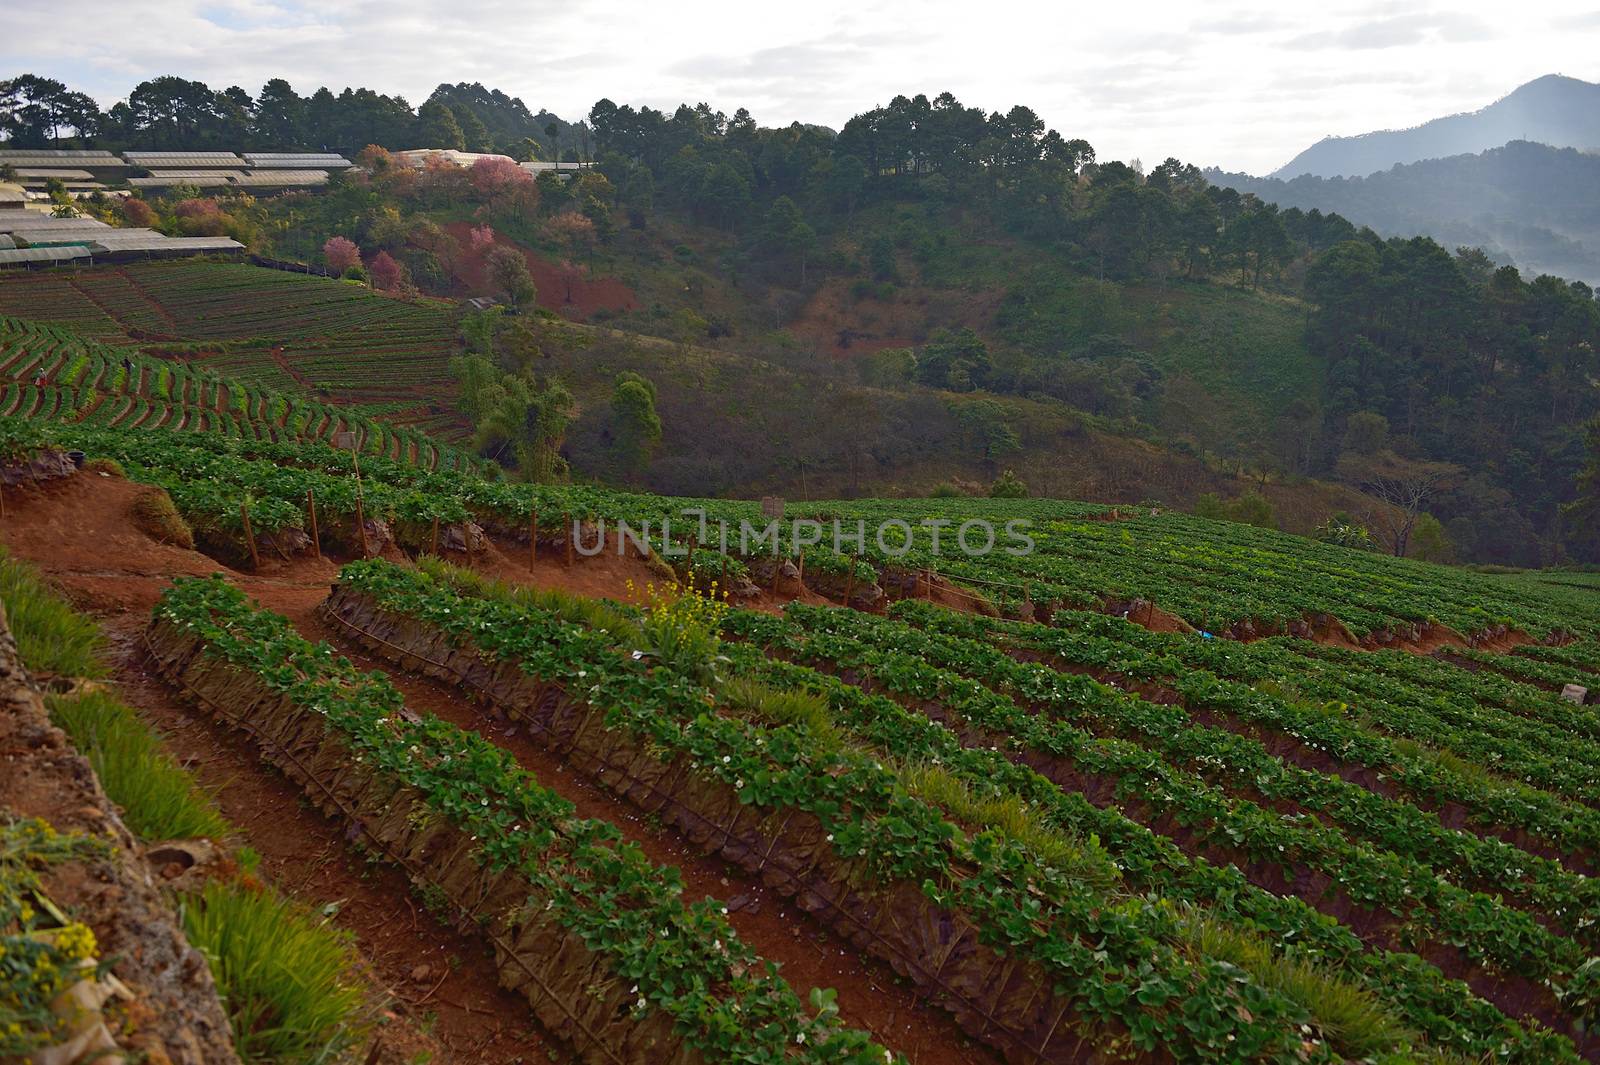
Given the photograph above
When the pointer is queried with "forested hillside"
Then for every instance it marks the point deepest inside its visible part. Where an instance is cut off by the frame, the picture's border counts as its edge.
(1524, 203)
(977, 263)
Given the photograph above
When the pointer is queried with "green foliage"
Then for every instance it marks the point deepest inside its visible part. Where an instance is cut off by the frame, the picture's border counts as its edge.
(518, 419)
(1429, 541)
(887, 367)
(1008, 486)
(1343, 530)
(985, 426)
(1249, 508)
(680, 627)
(579, 875)
(507, 271)
(158, 798)
(39, 957)
(285, 975)
(957, 360)
(637, 425)
(52, 638)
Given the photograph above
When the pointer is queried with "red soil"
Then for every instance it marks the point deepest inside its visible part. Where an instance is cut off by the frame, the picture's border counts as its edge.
(589, 294)
(845, 326)
(79, 533)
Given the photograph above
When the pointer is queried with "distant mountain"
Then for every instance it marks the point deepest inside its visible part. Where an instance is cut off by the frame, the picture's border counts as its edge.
(1536, 206)
(1558, 111)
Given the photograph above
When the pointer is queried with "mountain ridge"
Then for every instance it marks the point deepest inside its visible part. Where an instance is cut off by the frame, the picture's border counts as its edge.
(1561, 111)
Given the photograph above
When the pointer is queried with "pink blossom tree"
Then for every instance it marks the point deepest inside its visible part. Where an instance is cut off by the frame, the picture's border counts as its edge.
(481, 238)
(388, 275)
(341, 254)
(495, 174)
(138, 213)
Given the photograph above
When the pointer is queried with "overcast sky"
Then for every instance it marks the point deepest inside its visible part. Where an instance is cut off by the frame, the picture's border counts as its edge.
(1242, 86)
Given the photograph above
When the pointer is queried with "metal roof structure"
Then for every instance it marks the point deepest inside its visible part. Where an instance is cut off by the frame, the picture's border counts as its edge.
(52, 172)
(9, 154)
(23, 220)
(158, 242)
(19, 256)
(213, 181)
(191, 160)
(418, 157)
(163, 172)
(297, 161)
(282, 179)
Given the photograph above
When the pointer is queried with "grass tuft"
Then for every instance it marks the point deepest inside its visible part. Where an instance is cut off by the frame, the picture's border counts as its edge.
(1351, 1018)
(53, 639)
(283, 974)
(601, 614)
(159, 799)
(155, 515)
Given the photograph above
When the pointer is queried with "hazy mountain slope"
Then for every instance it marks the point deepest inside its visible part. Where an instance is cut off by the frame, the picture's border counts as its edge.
(1555, 110)
(1532, 204)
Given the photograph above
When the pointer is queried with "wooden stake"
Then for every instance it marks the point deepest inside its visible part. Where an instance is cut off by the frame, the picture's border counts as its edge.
(311, 508)
(572, 536)
(723, 587)
(2, 502)
(249, 537)
(533, 537)
(850, 584)
(800, 564)
(361, 525)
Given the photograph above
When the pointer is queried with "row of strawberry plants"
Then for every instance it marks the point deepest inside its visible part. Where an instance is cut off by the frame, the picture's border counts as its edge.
(1373, 827)
(1348, 685)
(683, 960)
(1124, 653)
(282, 414)
(1532, 682)
(1396, 687)
(1492, 936)
(1444, 1010)
(1527, 706)
(1110, 957)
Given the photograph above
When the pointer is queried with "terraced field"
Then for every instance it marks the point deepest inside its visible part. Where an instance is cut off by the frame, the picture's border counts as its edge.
(289, 332)
(52, 374)
(1357, 822)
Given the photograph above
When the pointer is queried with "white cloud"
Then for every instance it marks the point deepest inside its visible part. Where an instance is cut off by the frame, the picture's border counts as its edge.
(1244, 87)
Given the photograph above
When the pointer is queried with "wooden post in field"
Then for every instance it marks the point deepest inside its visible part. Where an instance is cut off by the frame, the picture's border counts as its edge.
(361, 525)
(850, 582)
(2, 502)
(249, 536)
(533, 537)
(311, 509)
(572, 536)
(800, 564)
(724, 585)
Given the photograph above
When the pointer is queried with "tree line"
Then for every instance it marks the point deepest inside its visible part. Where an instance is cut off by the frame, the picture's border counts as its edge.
(170, 113)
